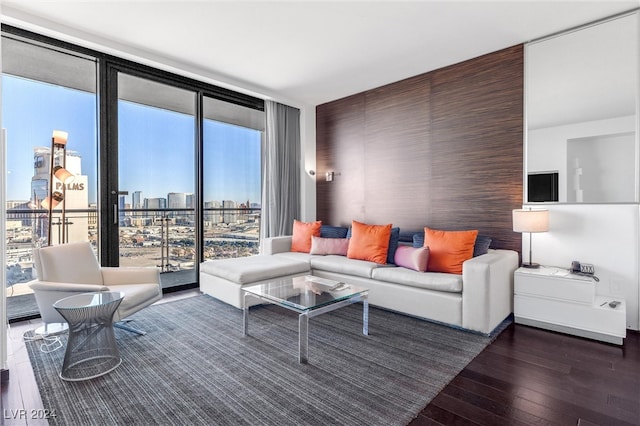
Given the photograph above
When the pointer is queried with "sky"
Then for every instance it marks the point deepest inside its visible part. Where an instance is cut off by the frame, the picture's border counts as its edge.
(156, 148)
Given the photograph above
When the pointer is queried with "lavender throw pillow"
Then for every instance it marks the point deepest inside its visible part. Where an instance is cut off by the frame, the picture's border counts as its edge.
(415, 258)
(324, 246)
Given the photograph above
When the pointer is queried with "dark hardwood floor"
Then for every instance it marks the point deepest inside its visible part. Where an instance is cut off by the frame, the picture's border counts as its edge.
(535, 377)
(526, 376)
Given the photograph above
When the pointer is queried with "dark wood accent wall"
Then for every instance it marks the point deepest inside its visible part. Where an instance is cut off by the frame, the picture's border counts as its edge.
(443, 149)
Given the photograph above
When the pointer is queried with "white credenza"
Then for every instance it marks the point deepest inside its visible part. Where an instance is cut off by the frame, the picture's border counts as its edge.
(554, 299)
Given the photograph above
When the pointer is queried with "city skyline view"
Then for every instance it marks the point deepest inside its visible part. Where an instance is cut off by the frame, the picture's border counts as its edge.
(152, 161)
(156, 149)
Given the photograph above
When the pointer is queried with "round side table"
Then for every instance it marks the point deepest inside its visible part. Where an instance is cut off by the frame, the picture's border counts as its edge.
(91, 350)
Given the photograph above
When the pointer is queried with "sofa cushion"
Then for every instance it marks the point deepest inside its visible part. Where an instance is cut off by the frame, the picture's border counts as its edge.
(369, 242)
(451, 283)
(481, 246)
(394, 241)
(243, 270)
(324, 246)
(415, 258)
(407, 236)
(449, 249)
(327, 231)
(302, 257)
(302, 232)
(343, 265)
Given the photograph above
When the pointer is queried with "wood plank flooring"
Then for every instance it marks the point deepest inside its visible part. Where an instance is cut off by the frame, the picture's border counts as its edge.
(534, 377)
(526, 376)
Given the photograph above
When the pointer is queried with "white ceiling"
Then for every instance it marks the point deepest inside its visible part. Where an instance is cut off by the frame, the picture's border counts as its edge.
(304, 52)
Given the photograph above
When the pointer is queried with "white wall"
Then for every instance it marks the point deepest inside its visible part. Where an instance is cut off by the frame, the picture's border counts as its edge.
(547, 147)
(605, 235)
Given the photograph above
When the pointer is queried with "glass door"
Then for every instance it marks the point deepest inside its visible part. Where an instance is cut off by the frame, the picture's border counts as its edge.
(155, 210)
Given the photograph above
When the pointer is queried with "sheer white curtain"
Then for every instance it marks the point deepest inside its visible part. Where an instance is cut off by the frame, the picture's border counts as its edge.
(280, 170)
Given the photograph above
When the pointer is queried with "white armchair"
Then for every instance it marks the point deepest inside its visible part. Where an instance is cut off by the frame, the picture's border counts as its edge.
(68, 269)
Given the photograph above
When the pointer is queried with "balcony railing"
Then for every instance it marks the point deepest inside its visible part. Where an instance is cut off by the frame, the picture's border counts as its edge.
(164, 238)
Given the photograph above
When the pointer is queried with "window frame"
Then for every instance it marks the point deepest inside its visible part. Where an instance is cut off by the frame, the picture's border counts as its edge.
(108, 67)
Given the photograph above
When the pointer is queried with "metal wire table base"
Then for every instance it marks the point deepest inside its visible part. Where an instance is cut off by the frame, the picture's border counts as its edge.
(92, 350)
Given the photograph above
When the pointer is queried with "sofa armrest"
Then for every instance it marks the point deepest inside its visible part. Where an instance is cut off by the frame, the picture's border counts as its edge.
(273, 245)
(487, 289)
(130, 275)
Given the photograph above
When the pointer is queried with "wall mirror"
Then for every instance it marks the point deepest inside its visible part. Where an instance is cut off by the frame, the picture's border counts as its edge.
(581, 119)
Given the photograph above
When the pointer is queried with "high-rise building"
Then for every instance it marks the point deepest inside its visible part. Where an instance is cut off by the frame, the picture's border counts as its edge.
(175, 201)
(19, 213)
(155, 203)
(121, 209)
(76, 226)
(136, 200)
(230, 214)
(210, 215)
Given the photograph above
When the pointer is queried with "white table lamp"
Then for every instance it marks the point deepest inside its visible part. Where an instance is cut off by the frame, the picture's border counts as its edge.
(530, 221)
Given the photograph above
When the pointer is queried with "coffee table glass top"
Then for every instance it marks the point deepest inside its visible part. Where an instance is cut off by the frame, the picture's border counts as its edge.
(87, 300)
(305, 293)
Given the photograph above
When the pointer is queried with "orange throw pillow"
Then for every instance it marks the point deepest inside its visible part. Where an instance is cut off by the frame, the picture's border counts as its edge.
(369, 242)
(302, 233)
(449, 249)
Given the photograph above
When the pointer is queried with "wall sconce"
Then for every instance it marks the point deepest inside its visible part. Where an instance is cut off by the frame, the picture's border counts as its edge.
(329, 176)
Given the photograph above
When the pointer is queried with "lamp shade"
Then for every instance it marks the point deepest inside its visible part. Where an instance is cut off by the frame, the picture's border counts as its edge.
(55, 199)
(60, 137)
(63, 174)
(530, 220)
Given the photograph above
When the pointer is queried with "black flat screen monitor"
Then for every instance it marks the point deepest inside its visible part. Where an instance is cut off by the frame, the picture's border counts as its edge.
(542, 187)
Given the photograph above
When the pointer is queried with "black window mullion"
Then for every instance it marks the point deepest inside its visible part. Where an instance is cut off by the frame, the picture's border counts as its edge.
(199, 193)
(109, 241)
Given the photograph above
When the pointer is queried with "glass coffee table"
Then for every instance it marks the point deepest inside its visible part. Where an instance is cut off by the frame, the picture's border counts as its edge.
(309, 297)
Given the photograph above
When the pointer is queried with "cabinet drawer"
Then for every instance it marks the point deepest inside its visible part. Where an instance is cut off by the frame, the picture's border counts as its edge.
(594, 319)
(576, 291)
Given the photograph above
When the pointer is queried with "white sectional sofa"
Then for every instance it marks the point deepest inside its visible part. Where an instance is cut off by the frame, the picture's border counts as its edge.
(478, 300)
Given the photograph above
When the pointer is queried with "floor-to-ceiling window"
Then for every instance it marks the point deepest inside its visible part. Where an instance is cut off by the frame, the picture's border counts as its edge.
(167, 168)
(46, 89)
(156, 163)
(232, 137)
